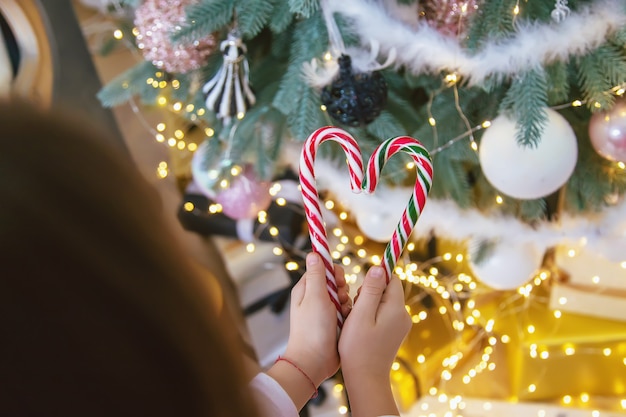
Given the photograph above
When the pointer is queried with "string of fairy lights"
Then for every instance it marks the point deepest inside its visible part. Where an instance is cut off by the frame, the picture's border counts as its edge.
(456, 293)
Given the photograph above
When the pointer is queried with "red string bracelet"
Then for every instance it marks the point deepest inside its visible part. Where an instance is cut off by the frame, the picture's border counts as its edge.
(280, 358)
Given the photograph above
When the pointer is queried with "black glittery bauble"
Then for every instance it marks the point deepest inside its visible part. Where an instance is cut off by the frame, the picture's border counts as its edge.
(354, 99)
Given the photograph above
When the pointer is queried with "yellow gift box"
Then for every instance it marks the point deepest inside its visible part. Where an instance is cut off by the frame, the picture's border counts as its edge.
(556, 356)
(518, 350)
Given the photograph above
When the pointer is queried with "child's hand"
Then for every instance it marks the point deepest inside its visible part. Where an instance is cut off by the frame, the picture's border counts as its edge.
(369, 342)
(312, 341)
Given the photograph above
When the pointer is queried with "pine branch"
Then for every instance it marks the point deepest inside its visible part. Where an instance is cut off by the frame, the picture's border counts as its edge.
(310, 40)
(281, 18)
(303, 8)
(252, 16)
(385, 126)
(307, 115)
(126, 85)
(530, 210)
(527, 100)
(451, 181)
(495, 21)
(205, 18)
(599, 71)
(557, 75)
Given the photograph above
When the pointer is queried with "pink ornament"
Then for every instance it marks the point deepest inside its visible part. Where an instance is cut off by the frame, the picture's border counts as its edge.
(607, 131)
(157, 21)
(449, 17)
(245, 195)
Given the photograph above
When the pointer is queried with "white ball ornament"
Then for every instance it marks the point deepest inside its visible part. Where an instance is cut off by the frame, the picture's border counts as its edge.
(508, 266)
(526, 172)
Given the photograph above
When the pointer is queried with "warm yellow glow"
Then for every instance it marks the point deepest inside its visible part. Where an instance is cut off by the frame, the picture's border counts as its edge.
(451, 78)
(499, 199)
(584, 397)
(192, 147)
(177, 106)
(118, 34)
(161, 101)
(328, 56)
(432, 121)
(171, 142)
(208, 131)
(281, 201)
(606, 351)
(291, 266)
(189, 108)
(176, 84)
(159, 138)
(562, 300)
(567, 399)
(395, 366)
(181, 145)
(577, 103)
(459, 257)
(343, 215)
(358, 240)
(162, 84)
(569, 349)
(474, 146)
(505, 338)
(532, 388)
(545, 354)
(262, 216)
(621, 165)
(342, 410)
(531, 329)
(486, 124)
(323, 107)
(250, 247)
(273, 231)
(215, 208)
(240, 115)
(338, 388)
(277, 251)
(188, 206)
(201, 112)
(329, 204)
(557, 314)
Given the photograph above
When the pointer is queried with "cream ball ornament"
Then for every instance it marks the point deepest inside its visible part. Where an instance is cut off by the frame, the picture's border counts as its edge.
(507, 266)
(528, 172)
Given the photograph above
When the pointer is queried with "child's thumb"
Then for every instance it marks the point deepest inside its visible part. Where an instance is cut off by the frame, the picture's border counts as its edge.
(371, 292)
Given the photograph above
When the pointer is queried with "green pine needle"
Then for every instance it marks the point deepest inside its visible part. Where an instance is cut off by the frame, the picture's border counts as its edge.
(126, 85)
(527, 100)
(205, 18)
(281, 17)
(252, 16)
(303, 8)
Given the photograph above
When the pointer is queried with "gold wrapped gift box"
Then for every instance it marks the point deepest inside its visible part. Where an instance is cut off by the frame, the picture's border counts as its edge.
(519, 350)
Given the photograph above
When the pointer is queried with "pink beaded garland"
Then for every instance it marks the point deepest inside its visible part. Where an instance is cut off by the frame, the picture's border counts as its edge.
(156, 22)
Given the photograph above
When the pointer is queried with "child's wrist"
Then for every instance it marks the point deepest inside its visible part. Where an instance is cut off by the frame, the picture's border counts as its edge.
(302, 373)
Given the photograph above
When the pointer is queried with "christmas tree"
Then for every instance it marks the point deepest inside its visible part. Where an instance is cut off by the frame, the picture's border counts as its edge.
(515, 273)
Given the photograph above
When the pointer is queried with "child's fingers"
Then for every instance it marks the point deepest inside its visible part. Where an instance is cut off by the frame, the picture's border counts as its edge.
(370, 294)
(315, 275)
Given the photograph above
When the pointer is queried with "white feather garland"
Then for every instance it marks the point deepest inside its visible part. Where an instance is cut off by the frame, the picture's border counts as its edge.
(603, 232)
(423, 49)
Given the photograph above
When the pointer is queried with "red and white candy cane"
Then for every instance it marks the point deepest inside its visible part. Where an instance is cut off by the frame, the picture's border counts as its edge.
(416, 203)
(317, 230)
